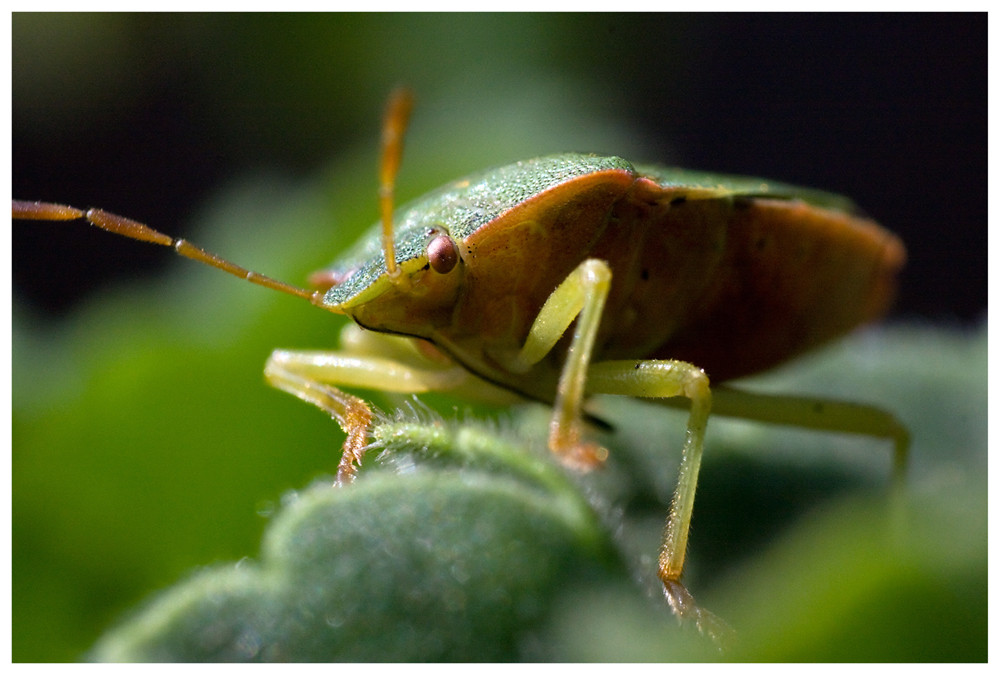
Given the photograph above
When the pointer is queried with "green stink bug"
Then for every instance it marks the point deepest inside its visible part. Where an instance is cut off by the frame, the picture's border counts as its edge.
(574, 274)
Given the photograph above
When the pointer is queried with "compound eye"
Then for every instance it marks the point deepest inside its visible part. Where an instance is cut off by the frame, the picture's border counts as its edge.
(442, 254)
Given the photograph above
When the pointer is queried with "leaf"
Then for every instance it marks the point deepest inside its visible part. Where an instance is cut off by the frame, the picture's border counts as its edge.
(426, 565)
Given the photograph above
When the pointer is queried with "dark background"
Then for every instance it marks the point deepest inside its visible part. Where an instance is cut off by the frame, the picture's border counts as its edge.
(145, 114)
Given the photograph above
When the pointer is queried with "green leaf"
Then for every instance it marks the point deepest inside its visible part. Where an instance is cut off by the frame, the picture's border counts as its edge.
(442, 565)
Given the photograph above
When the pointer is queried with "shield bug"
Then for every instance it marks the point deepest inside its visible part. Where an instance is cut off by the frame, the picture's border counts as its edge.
(570, 275)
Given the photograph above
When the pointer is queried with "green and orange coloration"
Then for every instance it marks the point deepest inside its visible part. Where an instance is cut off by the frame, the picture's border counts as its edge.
(570, 275)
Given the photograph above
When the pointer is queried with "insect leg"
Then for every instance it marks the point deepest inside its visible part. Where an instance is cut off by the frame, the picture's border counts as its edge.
(580, 296)
(816, 413)
(310, 376)
(662, 379)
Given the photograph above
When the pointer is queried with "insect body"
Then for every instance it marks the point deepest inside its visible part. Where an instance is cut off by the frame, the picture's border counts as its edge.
(575, 274)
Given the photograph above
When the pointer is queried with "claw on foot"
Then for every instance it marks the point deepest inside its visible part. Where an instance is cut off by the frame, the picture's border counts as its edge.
(687, 610)
(356, 422)
(585, 457)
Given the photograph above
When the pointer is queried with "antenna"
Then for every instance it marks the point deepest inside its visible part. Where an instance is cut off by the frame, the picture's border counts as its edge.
(397, 116)
(135, 230)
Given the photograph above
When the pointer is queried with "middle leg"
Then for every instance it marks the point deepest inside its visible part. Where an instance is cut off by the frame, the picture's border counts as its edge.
(665, 379)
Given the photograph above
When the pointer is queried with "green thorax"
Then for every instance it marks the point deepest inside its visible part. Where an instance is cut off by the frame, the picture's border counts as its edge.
(460, 208)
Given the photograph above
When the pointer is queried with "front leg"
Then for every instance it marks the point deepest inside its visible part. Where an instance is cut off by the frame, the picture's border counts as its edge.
(352, 413)
(581, 296)
(311, 376)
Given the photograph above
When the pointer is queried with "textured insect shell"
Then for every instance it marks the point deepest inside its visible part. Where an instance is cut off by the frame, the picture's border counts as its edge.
(791, 276)
(459, 208)
(735, 274)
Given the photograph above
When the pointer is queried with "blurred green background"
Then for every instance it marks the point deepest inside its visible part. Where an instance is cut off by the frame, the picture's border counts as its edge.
(145, 442)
